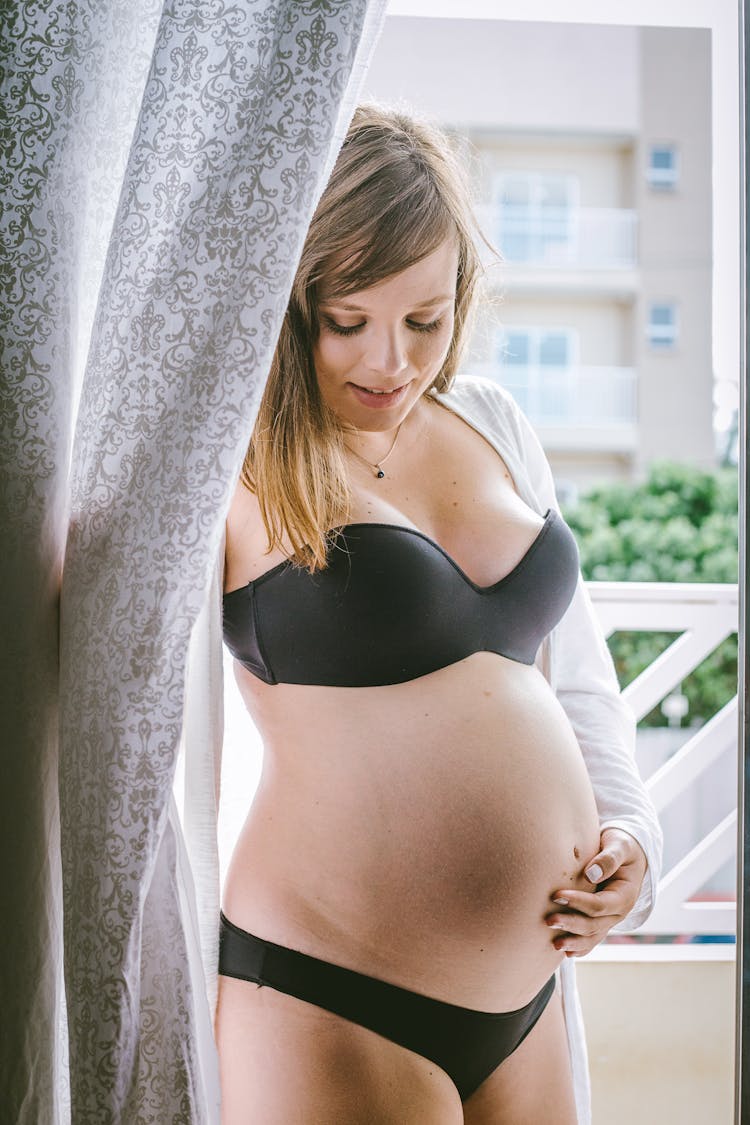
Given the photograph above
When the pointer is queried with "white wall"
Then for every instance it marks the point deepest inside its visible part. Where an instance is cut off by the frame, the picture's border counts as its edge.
(470, 72)
(601, 168)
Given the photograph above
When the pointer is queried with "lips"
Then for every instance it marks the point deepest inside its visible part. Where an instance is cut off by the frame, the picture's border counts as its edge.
(376, 397)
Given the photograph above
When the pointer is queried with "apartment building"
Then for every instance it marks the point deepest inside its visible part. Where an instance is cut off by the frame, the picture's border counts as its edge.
(591, 150)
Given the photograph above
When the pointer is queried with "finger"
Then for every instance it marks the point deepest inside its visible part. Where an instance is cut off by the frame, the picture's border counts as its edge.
(579, 924)
(630, 850)
(604, 864)
(617, 848)
(576, 946)
(616, 899)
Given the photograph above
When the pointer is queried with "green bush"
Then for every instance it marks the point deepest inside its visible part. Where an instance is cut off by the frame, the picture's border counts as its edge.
(679, 525)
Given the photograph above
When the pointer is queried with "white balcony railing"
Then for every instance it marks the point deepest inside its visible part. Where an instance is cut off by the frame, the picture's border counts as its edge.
(571, 396)
(576, 238)
(703, 615)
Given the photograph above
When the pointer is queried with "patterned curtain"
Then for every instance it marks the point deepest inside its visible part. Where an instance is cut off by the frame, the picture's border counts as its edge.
(158, 168)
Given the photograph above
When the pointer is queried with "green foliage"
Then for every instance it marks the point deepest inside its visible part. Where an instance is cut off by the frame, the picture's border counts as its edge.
(679, 525)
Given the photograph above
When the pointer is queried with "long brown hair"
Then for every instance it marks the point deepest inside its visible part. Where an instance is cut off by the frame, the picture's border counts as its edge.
(396, 193)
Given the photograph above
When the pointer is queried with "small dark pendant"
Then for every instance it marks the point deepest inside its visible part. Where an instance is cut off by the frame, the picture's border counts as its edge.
(380, 474)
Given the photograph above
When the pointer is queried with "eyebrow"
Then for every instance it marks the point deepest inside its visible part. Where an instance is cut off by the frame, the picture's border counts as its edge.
(418, 305)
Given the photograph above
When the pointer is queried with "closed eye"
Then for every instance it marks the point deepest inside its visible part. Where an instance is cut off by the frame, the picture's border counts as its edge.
(342, 329)
(430, 326)
(352, 329)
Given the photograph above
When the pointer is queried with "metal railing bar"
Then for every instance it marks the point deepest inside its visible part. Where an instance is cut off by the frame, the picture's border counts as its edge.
(713, 739)
(693, 918)
(690, 873)
(672, 666)
(658, 594)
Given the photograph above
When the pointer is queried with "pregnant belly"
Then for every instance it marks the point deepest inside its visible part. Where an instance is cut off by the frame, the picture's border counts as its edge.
(421, 839)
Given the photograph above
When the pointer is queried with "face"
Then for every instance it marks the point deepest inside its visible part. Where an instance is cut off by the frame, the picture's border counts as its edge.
(380, 349)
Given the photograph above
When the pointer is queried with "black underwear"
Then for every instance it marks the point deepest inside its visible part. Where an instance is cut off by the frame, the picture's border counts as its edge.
(392, 605)
(468, 1045)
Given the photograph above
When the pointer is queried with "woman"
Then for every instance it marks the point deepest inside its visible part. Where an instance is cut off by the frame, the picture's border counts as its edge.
(435, 830)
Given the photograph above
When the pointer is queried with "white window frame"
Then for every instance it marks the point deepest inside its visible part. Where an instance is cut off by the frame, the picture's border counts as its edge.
(535, 221)
(529, 384)
(535, 332)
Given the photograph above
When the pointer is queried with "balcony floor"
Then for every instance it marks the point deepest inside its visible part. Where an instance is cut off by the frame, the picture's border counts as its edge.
(660, 1032)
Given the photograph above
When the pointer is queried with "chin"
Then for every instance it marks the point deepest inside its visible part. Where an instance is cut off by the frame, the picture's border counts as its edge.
(376, 415)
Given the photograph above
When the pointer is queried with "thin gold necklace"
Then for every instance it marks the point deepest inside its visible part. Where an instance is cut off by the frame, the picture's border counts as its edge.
(377, 466)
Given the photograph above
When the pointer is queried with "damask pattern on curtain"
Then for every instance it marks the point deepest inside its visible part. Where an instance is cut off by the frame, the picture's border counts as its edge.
(160, 164)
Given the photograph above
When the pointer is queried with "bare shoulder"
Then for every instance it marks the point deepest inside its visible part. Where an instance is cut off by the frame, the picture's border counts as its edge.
(246, 539)
(244, 510)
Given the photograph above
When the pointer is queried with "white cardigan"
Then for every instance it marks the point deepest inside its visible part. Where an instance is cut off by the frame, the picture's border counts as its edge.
(574, 658)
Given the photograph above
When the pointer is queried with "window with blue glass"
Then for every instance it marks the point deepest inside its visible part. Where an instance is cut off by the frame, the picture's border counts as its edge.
(536, 366)
(536, 216)
(662, 171)
(661, 330)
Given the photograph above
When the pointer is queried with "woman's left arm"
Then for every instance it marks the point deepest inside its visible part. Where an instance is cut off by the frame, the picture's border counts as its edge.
(625, 870)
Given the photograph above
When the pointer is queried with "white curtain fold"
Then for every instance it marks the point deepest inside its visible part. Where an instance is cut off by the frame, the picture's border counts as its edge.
(67, 72)
(199, 135)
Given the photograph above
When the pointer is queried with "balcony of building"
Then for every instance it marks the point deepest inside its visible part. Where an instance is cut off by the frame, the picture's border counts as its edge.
(580, 408)
(562, 248)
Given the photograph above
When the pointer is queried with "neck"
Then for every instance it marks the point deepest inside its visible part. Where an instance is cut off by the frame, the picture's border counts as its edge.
(375, 445)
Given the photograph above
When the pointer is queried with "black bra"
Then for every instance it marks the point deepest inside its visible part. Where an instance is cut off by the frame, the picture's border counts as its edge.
(391, 605)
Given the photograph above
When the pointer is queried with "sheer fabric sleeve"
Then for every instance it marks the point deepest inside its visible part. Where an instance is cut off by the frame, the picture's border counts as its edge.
(585, 682)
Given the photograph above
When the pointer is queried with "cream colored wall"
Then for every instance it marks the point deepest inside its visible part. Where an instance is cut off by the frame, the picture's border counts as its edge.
(676, 102)
(676, 387)
(661, 1041)
(603, 326)
(496, 73)
(599, 168)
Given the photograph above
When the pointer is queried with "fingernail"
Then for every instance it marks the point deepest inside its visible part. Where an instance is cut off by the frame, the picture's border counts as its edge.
(561, 901)
(594, 873)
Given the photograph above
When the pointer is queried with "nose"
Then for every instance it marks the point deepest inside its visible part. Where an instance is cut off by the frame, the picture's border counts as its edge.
(386, 353)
